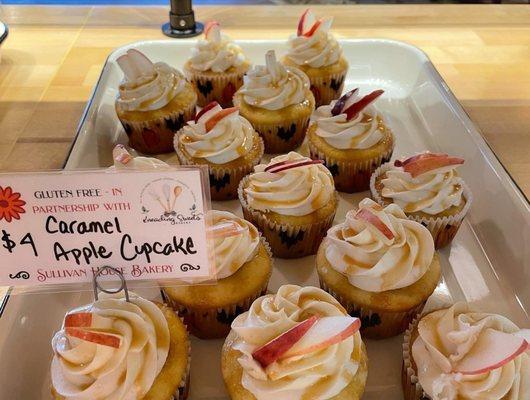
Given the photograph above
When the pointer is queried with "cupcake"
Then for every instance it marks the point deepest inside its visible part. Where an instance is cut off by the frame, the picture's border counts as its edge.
(428, 189)
(216, 67)
(118, 349)
(318, 54)
(380, 266)
(297, 344)
(278, 103)
(462, 354)
(243, 265)
(154, 102)
(292, 201)
(224, 141)
(351, 137)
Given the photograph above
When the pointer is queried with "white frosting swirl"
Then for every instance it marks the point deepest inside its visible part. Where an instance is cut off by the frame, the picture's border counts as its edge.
(228, 140)
(431, 192)
(318, 50)
(123, 160)
(83, 370)
(446, 337)
(373, 262)
(318, 375)
(234, 250)
(295, 191)
(274, 86)
(361, 132)
(151, 92)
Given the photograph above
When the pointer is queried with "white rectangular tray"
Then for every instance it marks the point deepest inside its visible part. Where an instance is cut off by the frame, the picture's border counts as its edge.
(488, 263)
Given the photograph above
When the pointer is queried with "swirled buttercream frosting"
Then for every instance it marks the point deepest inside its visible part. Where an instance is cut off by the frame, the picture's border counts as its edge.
(360, 132)
(110, 349)
(427, 182)
(236, 242)
(229, 139)
(289, 185)
(123, 160)
(216, 52)
(274, 86)
(448, 338)
(317, 375)
(379, 249)
(315, 47)
(147, 86)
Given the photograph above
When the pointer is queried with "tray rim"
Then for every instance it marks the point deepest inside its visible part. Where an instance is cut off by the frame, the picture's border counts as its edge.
(441, 84)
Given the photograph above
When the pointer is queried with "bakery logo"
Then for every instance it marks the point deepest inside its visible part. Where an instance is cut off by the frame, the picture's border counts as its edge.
(168, 200)
(11, 204)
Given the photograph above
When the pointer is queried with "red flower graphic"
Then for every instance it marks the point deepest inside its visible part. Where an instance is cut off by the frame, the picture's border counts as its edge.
(11, 205)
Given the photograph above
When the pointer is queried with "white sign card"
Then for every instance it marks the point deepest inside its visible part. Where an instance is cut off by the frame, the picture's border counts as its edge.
(60, 227)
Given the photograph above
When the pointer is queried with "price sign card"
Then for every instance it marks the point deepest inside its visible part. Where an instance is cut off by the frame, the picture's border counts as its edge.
(60, 227)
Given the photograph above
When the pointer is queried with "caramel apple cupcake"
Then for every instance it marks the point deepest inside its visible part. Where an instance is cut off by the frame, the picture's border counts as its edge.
(351, 137)
(224, 141)
(277, 102)
(458, 353)
(294, 345)
(380, 266)
(243, 264)
(154, 102)
(216, 67)
(118, 349)
(292, 201)
(428, 189)
(318, 54)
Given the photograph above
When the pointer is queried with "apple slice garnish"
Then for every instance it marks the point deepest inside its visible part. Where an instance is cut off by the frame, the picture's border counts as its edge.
(492, 350)
(121, 155)
(313, 29)
(326, 332)
(205, 109)
(307, 18)
(209, 26)
(424, 164)
(78, 320)
(277, 347)
(342, 102)
(291, 164)
(360, 105)
(369, 217)
(105, 339)
(218, 117)
(401, 163)
(135, 64)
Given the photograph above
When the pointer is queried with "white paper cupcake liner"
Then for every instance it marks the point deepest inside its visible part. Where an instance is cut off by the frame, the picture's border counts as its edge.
(228, 191)
(312, 234)
(351, 176)
(443, 229)
(412, 389)
(218, 86)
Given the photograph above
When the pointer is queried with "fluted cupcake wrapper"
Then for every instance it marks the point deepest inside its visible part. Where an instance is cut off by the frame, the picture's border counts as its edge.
(215, 323)
(443, 229)
(224, 181)
(350, 176)
(412, 389)
(327, 88)
(155, 136)
(285, 240)
(376, 324)
(220, 88)
(183, 389)
(284, 137)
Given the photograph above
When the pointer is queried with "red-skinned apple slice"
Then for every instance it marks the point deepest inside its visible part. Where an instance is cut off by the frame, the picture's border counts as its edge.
(492, 350)
(273, 350)
(205, 109)
(120, 154)
(313, 29)
(357, 107)
(525, 334)
(105, 339)
(400, 163)
(341, 103)
(326, 332)
(295, 164)
(127, 67)
(426, 164)
(219, 116)
(78, 320)
(301, 22)
(210, 25)
(367, 216)
(140, 62)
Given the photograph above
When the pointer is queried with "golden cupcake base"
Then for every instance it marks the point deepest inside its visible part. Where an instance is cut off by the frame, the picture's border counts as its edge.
(216, 86)
(208, 310)
(353, 168)
(382, 314)
(233, 372)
